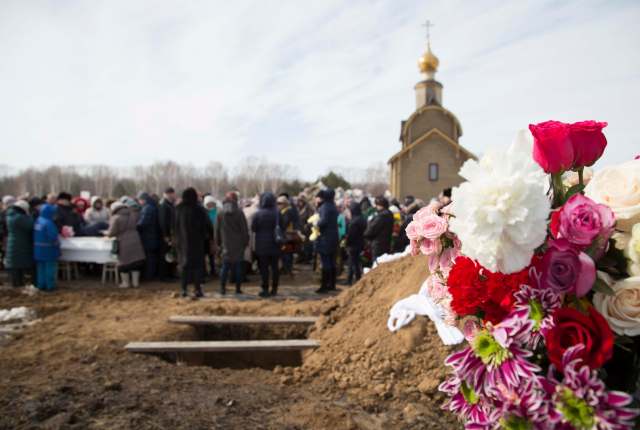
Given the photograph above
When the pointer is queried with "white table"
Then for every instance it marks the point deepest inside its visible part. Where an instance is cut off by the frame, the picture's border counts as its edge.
(87, 250)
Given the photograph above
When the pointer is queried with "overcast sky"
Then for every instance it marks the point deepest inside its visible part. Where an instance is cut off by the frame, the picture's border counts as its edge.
(310, 83)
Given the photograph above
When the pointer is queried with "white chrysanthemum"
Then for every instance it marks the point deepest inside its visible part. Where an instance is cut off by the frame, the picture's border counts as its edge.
(501, 211)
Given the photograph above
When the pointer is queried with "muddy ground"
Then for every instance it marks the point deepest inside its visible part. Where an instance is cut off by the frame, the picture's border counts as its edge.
(69, 370)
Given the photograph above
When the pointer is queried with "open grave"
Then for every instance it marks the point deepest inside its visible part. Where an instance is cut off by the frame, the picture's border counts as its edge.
(236, 342)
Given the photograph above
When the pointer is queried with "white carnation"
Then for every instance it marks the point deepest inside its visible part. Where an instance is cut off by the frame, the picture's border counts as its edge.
(501, 211)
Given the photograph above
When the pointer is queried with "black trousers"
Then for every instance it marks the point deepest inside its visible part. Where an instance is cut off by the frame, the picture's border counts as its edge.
(192, 275)
(17, 277)
(266, 263)
(355, 266)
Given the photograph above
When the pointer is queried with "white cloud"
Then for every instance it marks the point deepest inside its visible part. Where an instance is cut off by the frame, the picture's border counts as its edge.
(314, 84)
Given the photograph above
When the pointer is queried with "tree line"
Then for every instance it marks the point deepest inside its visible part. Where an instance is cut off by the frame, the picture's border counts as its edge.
(250, 176)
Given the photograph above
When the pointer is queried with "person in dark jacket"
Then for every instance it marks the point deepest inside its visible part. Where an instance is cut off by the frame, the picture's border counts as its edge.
(355, 241)
(150, 234)
(46, 248)
(380, 228)
(191, 233)
(267, 249)
(289, 218)
(327, 242)
(232, 234)
(67, 215)
(166, 219)
(19, 255)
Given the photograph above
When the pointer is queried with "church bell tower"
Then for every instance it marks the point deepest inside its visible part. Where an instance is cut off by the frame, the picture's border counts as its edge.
(428, 91)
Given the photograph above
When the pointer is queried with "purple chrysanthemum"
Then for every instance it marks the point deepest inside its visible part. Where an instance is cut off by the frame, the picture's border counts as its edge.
(465, 402)
(496, 359)
(539, 304)
(581, 399)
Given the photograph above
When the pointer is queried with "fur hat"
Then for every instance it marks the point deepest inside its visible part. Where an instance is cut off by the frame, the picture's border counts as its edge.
(209, 199)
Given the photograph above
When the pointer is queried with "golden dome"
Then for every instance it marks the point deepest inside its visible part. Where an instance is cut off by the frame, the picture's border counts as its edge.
(428, 63)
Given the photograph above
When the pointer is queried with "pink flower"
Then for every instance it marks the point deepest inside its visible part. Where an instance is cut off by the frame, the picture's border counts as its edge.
(588, 142)
(566, 269)
(431, 247)
(413, 231)
(552, 148)
(582, 222)
(432, 226)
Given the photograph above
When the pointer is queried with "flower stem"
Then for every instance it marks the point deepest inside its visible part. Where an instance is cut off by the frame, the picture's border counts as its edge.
(581, 175)
(558, 189)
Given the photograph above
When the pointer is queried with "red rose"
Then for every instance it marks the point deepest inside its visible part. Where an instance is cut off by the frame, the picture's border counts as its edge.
(552, 148)
(572, 327)
(588, 142)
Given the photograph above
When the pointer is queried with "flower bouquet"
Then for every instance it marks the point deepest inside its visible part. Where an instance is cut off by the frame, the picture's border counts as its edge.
(543, 280)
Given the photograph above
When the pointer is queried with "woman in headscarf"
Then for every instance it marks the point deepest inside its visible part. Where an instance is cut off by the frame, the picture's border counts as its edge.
(232, 235)
(123, 226)
(19, 257)
(191, 233)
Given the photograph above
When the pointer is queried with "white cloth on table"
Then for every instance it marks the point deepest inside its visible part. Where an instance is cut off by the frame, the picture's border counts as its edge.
(87, 250)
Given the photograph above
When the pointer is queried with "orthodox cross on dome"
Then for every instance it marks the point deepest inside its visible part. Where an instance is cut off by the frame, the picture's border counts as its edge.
(428, 24)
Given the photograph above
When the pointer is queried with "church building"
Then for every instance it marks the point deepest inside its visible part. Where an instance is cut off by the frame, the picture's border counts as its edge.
(431, 156)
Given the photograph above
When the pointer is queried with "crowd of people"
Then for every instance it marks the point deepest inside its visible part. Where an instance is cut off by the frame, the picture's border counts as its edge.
(191, 239)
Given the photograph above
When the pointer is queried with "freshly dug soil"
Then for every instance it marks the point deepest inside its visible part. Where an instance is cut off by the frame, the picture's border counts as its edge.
(70, 370)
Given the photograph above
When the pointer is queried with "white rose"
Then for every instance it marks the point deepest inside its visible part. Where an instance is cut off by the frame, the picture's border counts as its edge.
(622, 310)
(619, 188)
(632, 251)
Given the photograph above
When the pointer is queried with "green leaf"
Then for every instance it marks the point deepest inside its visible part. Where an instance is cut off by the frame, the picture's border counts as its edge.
(601, 287)
(578, 188)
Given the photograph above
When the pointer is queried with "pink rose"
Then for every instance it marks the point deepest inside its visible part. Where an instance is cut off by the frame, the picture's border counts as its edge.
(413, 231)
(432, 226)
(582, 222)
(588, 142)
(552, 147)
(567, 270)
(431, 247)
(431, 209)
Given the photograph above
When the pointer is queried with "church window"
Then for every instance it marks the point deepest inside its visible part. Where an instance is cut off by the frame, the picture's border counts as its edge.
(433, 171)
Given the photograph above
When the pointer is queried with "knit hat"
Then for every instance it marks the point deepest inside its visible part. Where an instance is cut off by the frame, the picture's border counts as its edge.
(209, 199)
(22, 204)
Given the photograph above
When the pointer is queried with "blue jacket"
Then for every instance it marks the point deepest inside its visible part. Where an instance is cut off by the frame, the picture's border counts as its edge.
(149, 224)
(46, 246)
(264, 226)
(327, 242)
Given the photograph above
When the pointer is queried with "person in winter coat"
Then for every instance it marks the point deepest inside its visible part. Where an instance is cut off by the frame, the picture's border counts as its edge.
(150, 234)
(305, 211)
(97, 213)
(7, 202)
(166, 218)
(212, 211)
(191, 231)
(232, 235)
(123, 227)
(66, 214)
(327, 242)
(289, 220)
(46, 248)
(267, 249)
(19, 254)
(380, 228)
(355, 241)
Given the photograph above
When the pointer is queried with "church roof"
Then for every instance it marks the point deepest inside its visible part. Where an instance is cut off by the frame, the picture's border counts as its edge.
(437, 132)
(418, 112)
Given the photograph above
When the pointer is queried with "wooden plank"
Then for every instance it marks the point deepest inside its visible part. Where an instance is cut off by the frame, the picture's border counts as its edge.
(240, 320)
(223, 346)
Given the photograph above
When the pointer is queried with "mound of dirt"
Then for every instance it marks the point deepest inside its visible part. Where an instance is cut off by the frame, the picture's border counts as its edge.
(362, 358)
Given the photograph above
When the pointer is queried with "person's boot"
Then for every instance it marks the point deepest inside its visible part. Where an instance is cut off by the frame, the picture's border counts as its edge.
(323, 282)
(198, 292)
(125, 280)
(238, 289)
(185, 293)
(223, 289)
(274, 290)
(135, 279)
(332, 279)
(265, 291)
